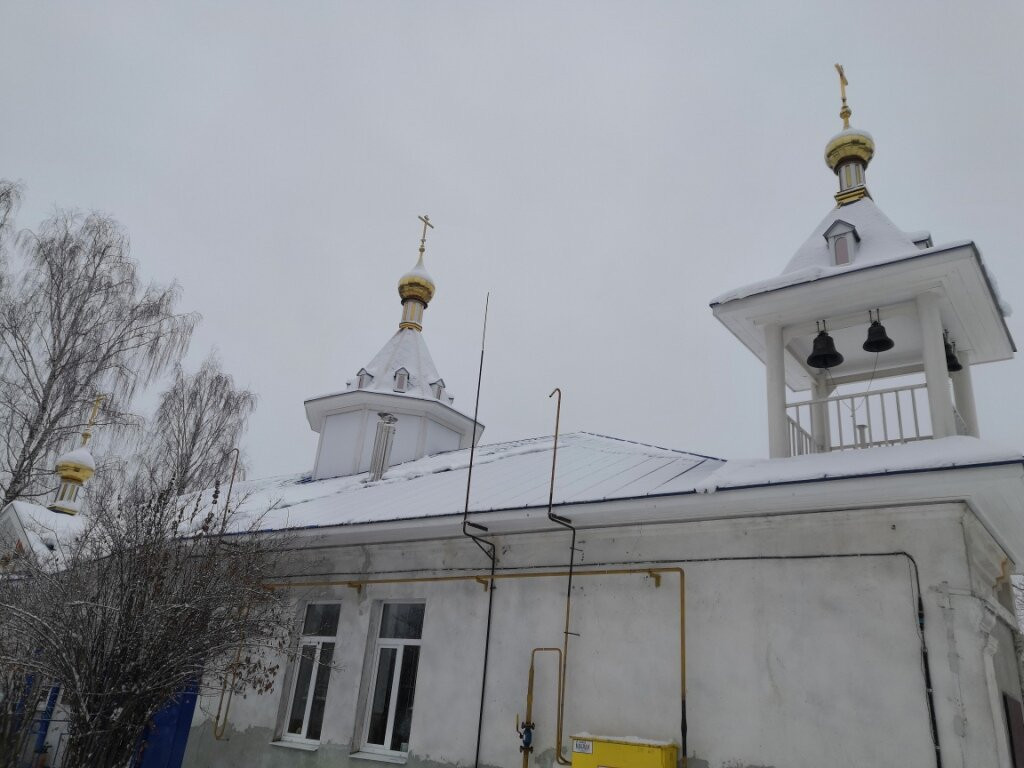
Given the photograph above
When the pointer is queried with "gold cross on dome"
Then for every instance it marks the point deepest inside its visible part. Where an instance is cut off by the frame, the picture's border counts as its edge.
(426, 223)
(87, 433)
(845, 112)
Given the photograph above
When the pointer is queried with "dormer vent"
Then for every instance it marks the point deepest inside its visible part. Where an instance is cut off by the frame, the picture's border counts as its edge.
(382, 443)
(365, 379)
(921, 239)
(401, 380)
(437, 389)
(842, 239)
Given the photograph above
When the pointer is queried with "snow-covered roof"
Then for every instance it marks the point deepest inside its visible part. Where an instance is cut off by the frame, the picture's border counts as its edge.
(45, 528)
(881, 241)
(509, 475)
(406, 349)
(945, 453)
(591, 468)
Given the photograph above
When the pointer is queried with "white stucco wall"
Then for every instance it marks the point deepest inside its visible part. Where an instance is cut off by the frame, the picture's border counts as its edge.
(346, 440)
(340, 444)
(790, 662)
(440, 439)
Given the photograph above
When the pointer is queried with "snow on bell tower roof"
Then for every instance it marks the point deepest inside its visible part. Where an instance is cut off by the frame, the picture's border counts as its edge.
(406, 352)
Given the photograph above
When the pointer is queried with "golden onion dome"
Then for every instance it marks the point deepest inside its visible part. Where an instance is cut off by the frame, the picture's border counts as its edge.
(849, 144)
(417, 284)
(77, 465)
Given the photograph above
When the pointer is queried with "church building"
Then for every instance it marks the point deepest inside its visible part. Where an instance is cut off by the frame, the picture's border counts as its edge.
(592, 601)
(846, 600)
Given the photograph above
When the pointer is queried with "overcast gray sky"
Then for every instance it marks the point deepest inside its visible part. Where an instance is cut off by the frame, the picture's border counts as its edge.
(604, 169)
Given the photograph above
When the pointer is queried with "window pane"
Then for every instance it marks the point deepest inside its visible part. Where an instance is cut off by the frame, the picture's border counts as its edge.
(301, 689)
(323, 677)
(321, 619)
(381, 697)
(403, 704)
(402, 621)
(842, 250)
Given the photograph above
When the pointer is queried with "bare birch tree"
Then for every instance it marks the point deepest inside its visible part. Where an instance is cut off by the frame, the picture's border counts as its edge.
(200, 419)
(75, 321)
(21, 694)
(10, 196)
(150, 596)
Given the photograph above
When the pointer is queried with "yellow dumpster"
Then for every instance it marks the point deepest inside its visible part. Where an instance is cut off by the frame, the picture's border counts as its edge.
(589, 751)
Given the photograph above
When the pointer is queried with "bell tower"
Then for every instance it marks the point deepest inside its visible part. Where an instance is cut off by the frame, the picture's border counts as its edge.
(879, 327)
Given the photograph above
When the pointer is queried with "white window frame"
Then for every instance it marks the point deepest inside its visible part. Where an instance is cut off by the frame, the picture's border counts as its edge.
(304, 640)
(401, 380)
(399, 644)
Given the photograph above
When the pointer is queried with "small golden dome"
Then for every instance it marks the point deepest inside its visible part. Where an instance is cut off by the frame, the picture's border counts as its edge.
(76, 466)
(417, 284)
(849, 144)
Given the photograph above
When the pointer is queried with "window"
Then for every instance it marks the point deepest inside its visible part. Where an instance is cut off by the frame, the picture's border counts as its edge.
(364, 379)
(437, 388)
(842, 250)
(401, 380)
(67, 492)
(393, 683)
(312, 672)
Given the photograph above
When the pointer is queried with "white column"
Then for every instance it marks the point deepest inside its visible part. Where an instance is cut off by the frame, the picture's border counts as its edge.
(963, 394)
(940, 405)
(989, 648)
(775, 364)
(820, 430)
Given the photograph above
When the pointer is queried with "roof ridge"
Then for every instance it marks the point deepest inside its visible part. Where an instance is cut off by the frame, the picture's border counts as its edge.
(649, 445)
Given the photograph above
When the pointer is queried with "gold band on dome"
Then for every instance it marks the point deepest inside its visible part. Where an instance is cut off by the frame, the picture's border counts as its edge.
(75, 472)
(417, 288)
(849, 146)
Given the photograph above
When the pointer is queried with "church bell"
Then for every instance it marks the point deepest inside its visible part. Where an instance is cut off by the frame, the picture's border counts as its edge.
(878, 340)
(953, 364)
(824, 354)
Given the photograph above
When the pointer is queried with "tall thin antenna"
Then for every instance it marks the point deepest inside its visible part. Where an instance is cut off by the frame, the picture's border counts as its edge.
(486, 546)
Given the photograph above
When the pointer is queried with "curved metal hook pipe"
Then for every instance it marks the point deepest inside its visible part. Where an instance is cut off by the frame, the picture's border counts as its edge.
(565, 523)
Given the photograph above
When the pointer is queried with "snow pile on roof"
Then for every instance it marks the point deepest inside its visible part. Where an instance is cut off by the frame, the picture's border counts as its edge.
(45, 528)
(406, 349)
(509, 475)
(944, 453)
(80, 456)
(417, 271)
(850, 132)
(881, 242)
(591, 468)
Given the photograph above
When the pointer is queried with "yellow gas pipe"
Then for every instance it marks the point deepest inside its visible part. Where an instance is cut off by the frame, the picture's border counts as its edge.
(528, 722)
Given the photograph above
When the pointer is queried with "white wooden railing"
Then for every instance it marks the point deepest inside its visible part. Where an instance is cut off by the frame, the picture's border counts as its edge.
(863, 420)
(800, 440)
